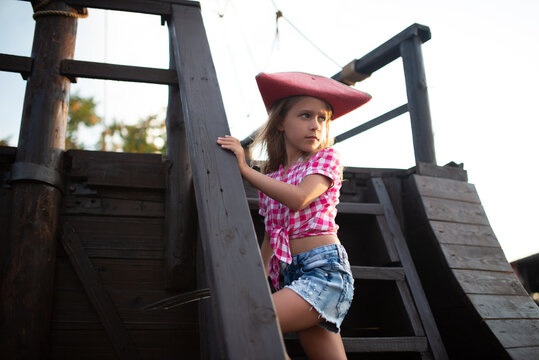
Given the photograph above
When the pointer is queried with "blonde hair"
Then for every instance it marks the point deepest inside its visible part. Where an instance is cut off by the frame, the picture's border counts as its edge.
(271, 138)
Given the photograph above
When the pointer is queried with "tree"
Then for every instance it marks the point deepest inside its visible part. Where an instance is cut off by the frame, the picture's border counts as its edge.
(81, 112)
(146, 136)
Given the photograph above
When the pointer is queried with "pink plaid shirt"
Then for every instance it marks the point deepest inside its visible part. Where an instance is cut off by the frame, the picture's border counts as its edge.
(318, 218)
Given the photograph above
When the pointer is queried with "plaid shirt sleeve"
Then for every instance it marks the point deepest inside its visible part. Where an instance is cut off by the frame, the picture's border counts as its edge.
(326, 162)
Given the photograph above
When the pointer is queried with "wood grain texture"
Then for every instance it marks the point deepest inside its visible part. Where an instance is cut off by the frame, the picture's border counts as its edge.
(454, 211)
(516, 333)
(475, 257)
(489, 282)
(99, 297)
(446, 189)
(505, 306)
(524, 353)
(231, 255)
(464, 234)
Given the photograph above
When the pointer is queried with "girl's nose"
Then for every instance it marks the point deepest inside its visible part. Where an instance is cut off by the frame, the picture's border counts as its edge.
(315, 124)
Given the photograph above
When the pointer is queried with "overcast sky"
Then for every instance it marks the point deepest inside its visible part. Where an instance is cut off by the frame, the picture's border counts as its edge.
(481, 67)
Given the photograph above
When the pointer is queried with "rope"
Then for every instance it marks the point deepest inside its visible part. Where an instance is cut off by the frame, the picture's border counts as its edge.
(77, 13)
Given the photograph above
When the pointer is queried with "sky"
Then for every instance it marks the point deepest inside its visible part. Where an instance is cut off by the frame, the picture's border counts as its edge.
(481, 69)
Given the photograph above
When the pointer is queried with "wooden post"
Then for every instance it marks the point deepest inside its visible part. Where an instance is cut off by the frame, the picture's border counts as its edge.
(180, 210)
(418, 100)
(27, 287)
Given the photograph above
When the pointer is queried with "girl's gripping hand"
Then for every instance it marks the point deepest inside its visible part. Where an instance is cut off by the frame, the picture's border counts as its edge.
(231, 143)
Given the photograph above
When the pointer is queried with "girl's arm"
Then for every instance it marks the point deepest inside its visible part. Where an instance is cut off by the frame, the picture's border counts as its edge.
(266, 251)
(294, 197)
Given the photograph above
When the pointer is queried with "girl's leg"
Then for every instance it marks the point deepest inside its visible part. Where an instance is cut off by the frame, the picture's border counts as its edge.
(318, 343)
(293, 312)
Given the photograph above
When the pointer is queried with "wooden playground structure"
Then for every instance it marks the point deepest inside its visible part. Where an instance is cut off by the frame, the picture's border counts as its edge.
(145, 256)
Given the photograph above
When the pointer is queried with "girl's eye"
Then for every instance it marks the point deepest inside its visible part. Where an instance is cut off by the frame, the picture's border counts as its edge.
(305, 115)
(322, 119)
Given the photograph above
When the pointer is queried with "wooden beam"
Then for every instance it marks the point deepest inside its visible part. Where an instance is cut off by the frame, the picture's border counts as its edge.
(27, 287)
(93, 70)
(388, 51)
(154, 7)
(100, 299)
(13, 63)
(240, 293)
(418, 100)
(180, 210)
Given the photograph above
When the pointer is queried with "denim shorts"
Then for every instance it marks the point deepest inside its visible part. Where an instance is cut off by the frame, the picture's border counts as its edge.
(323, 278)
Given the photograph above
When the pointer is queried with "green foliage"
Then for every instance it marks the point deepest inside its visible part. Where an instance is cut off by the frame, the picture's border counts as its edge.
(81, 112)
(5, 141)
(146, 136)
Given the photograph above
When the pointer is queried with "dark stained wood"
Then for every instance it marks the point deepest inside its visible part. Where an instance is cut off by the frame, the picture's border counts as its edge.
(93, 70)
(446, 189)
(388, 51)
(516, 333)
(157, 7)
(446, 172)
(112, 207)
(465, 234)
(390, 344)
(180, 218)
(454, 211)
(359, 208)
(13, 63)
(372, 123)
(524, 353)
(418, 100)
(121, 341)
(475, 257)
(117, 169)
(248, 323)
(29, 272)
(377, 273)
(504, 306)
(489, 282)
(416, 289)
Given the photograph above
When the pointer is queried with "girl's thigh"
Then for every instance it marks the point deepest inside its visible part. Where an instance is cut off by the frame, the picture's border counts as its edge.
(319, 343)
(293, 312)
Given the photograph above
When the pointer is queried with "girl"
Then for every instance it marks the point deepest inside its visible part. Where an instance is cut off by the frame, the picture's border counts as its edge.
(298, 194)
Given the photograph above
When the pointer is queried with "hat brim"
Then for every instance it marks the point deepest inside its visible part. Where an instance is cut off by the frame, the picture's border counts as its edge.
(342, 98)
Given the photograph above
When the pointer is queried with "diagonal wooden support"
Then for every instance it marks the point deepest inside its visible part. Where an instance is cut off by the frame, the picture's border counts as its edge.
(423, 308)
(100, 299)
(240, 293)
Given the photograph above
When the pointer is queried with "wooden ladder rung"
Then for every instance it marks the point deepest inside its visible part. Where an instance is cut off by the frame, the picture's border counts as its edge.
(386, 344)
(342, 208)
(378, 273)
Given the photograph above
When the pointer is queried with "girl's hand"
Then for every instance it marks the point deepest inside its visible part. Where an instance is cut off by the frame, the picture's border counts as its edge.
(231, 143)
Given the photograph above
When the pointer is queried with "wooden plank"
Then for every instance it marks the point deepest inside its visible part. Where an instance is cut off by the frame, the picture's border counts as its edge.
(13, 63)
(446, 189)
(454, 211)
(489, 282)
(112, 207)
(360, 208)
(377, 273)
(418, 99)
(121, 341)
(119, 237)
(180, 219)
(464, 234)
(118, 169)
(475, 257)
(234, 268)
(93, 70)
(388, 51)
(156, 7)
(412, 278)
(446, 172)
(387, 237)
(516, 333)
(524, 353)
(504, 306)
(385, 344)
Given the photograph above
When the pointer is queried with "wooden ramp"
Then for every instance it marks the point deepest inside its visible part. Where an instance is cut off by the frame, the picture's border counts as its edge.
(481, 308)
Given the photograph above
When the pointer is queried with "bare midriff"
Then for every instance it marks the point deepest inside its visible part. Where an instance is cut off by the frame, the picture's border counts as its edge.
(305, 244)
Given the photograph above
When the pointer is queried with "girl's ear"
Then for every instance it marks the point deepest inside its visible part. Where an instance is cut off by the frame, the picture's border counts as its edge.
(280, 126)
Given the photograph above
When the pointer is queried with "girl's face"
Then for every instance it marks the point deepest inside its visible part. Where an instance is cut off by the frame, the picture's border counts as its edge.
(304, 127)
